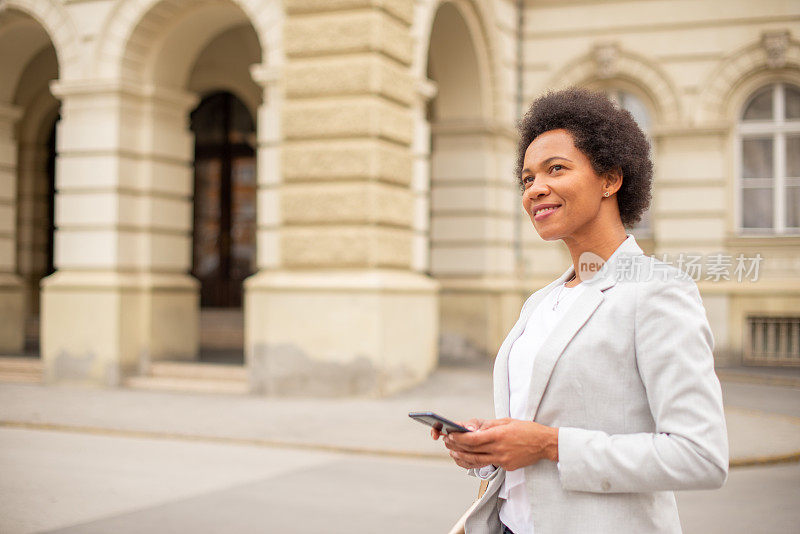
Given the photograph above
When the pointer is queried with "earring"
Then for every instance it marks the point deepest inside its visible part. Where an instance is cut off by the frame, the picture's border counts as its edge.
(606, 194)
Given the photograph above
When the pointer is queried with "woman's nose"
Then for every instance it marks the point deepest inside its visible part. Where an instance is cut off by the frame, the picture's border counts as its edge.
(536, 190)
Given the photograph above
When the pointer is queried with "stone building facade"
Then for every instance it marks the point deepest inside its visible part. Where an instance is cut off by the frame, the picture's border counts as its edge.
(340, 174)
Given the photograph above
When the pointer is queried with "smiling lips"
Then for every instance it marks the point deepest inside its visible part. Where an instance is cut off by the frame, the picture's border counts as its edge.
(544, 210)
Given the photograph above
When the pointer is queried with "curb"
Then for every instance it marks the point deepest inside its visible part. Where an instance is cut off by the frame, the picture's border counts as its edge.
(277, 444)
(765, 460)
(768, 459)
(200, 438)
(744, 378)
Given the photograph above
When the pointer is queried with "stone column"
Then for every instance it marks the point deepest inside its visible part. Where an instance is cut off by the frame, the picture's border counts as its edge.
(121, 295)
(336, 308)
(421, 183)
(12, 303)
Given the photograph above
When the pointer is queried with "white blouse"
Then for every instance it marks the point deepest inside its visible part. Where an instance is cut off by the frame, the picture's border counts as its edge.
(515, 510)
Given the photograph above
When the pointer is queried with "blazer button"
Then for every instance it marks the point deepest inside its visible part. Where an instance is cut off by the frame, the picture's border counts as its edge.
(605, 485)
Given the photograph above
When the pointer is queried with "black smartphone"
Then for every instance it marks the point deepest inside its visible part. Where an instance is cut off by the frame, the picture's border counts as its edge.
(445, 426)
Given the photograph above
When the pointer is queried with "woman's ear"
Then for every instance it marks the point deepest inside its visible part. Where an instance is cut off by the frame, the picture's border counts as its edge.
(612, 181)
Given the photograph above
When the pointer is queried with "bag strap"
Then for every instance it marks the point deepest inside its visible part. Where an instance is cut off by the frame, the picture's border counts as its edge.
(482, 489)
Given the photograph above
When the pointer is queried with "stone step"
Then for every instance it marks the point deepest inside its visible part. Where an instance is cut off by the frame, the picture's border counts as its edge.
(20, 364)
(194, 385)
(192, 377)
(20, 377)
(198, 371)
(19, 369)
(221, 328)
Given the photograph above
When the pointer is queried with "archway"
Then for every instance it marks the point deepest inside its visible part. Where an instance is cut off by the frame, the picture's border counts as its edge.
(225, 187)
(28, 124)
(471, 197)
(224, 221)
(208, 53)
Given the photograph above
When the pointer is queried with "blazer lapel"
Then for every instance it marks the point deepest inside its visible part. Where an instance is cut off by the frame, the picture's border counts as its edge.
(574, 319)
(577, 315)
(501, 388)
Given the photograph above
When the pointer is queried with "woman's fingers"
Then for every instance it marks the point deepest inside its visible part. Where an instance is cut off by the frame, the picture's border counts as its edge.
(469, 461)
(472, 424)
(459, 461)
(473, 441)
(453, 446)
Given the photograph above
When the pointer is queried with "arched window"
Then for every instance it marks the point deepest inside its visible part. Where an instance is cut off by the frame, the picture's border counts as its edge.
(641, 115)
(769, 162)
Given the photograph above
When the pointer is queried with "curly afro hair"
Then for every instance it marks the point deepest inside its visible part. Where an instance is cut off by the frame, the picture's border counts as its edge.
(606, 134)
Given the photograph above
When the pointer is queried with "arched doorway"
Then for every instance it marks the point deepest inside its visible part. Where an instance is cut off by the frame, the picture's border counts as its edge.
(471, 195)
(204, 61)
(223, 245)
(28, 122)
(224, 220)
(225, 185)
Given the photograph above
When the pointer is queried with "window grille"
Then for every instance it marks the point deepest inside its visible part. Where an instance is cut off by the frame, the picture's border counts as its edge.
(772, 341)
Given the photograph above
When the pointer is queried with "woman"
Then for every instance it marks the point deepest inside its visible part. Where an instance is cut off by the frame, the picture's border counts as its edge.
(605, 393)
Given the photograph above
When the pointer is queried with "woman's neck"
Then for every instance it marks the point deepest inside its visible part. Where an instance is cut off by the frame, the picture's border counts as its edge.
(601, 243)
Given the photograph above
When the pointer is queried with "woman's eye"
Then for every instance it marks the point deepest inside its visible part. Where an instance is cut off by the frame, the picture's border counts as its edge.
(556, 167)
(527, 180)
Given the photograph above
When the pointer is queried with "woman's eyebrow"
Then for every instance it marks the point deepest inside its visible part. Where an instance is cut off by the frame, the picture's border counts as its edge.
(552, 158)
(545, 162)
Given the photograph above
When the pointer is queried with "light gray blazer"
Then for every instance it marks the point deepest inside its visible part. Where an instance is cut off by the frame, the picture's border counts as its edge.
(628, 378)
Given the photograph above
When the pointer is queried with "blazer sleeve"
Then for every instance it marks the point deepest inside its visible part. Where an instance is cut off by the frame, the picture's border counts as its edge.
(689, 448)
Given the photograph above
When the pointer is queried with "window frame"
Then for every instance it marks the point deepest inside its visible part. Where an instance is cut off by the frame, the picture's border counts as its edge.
(775, 129)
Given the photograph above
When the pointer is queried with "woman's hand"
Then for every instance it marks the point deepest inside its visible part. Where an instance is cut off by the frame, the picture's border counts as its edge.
(507, 443)
(472, 424)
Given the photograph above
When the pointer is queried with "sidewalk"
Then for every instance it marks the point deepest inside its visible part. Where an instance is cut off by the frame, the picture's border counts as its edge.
(371, 426)
(773, 376)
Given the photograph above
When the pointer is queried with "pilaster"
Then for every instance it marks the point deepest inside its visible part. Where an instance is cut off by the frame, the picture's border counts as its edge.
(120, 296)
(335, 308)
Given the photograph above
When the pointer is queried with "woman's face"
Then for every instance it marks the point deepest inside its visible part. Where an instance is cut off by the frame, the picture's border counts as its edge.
(556, 173)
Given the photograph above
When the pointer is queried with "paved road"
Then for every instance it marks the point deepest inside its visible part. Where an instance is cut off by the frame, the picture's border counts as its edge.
(82, 483)
(755, 500)
(108, 479)
(64, 482)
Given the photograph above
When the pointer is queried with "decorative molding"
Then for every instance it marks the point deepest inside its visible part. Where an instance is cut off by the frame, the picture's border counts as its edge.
(608, 61)
(775, 45)
(112, 49)
(605, 56)
(776, 53)
(265, 75)
(427, 89)
(173, 97)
